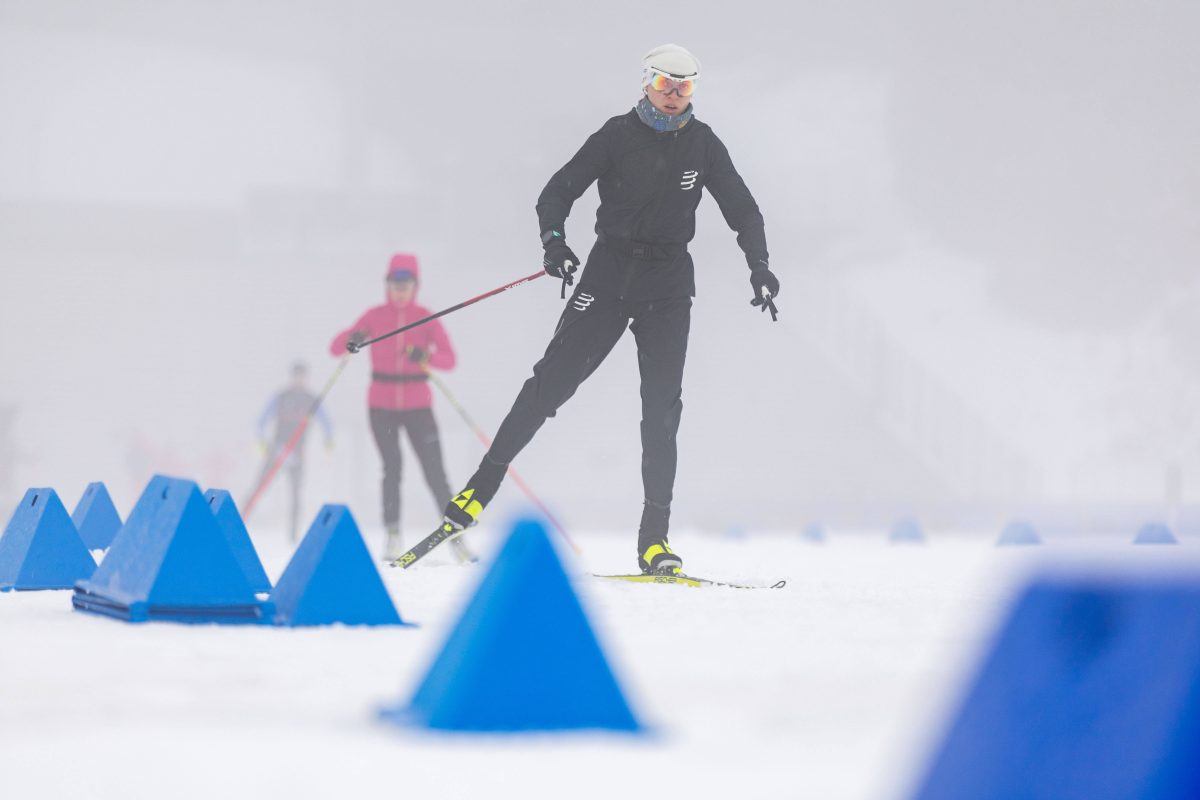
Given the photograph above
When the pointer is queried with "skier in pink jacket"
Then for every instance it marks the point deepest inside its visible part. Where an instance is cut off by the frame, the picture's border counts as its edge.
(399, 396)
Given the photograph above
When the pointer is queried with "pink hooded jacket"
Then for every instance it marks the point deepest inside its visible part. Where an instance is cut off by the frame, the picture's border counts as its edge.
(390, 357)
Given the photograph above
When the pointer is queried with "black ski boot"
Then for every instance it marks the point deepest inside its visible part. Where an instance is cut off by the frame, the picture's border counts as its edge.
(464, 509)
(655, 556)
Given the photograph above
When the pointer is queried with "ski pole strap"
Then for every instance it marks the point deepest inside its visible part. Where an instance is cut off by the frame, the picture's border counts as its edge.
(354, 347)
(768, 304)
(399, 377)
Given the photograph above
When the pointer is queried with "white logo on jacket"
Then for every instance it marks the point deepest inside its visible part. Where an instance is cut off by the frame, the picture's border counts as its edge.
(582, 301)
(688, 181)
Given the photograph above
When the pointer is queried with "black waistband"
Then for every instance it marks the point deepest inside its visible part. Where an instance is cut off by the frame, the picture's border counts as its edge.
(628, 247)
(399, 377)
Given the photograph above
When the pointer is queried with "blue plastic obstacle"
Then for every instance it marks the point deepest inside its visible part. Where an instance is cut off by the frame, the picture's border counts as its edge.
(523, 656)
(814, 533)
(1155, 533)
(226, 512)
(906, 531)
(1090, 691)
(96, 517)
(171, 561)
(332, 578)
(1018, 532)
(40, 548)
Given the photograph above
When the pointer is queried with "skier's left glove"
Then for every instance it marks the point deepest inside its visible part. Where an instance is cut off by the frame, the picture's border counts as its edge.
(766, 288)
(560, 261)
(417, 355)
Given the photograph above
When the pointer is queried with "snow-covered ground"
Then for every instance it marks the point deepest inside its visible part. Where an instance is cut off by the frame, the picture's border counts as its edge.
(833, 687)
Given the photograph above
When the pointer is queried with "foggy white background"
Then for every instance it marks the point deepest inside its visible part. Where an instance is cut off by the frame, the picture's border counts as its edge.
(984, 218)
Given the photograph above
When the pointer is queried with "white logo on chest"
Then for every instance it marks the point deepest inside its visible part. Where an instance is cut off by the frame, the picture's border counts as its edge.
(688, 181)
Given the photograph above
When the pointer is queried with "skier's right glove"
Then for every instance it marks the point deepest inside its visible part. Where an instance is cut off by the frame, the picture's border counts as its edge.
(559, 261)
(356, 340)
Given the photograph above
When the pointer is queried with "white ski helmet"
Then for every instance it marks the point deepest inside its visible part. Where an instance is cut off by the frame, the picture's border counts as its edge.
(671, 59)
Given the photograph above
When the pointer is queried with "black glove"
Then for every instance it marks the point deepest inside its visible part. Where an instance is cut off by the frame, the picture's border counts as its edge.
(766, 289)
(559, 261)
(418, 355)
(356, 340)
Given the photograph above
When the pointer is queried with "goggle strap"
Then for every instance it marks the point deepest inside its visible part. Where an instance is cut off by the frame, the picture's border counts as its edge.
(671, 77)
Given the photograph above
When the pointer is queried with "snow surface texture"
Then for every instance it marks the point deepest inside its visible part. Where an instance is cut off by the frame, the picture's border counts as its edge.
(834, 687)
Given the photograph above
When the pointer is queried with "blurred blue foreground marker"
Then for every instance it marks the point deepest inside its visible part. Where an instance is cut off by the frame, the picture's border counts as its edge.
(523, 656)
(1091, 691)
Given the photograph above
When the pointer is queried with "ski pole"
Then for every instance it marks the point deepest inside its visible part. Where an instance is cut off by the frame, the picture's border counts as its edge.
(354, 347)
(487, 442)
(294, 439)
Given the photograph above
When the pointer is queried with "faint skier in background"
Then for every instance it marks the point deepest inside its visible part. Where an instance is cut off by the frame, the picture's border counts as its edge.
(285, 412)
(399, 396)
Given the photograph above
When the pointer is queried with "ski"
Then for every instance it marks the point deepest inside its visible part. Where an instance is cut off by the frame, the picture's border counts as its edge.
(688, 580)
(445, 533)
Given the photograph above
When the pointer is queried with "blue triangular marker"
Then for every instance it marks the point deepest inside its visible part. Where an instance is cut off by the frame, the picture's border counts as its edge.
(40, 548)
(814, 533)
(171, 561)
(1018, 532)
(906, 531)
(1155, 533)
(96, 517)
(222, 505)
(523, 656)
(332, 578)
(1091, 691)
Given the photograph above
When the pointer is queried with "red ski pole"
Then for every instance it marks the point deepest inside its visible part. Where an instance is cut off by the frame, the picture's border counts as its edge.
(354, 347)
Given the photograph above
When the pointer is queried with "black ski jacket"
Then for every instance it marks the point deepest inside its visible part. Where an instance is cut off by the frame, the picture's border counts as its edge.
(650, 185)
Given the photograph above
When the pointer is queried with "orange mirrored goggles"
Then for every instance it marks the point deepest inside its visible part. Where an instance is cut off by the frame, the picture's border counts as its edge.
(667, 83)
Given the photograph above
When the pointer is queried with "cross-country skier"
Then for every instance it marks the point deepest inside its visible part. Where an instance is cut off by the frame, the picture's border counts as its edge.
(285, 411)
(652, 165)
(399, 396)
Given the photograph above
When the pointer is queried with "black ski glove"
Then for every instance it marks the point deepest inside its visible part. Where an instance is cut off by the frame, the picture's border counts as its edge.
(356, 340)
(418, 355)
(559, 261)
(766, 289)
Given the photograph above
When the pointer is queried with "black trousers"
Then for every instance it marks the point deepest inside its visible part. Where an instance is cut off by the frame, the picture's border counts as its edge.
(423, 435)
(587, 331)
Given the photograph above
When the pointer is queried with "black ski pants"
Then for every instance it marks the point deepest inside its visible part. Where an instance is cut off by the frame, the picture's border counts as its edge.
(423, 435)
(587, 331)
